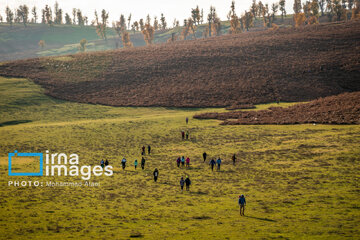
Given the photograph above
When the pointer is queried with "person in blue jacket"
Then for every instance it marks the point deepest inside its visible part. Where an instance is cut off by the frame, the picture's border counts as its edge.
(242, 203)
(218, 161)
(182, 161)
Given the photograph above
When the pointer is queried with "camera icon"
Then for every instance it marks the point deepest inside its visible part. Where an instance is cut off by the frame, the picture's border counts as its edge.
(16, 154)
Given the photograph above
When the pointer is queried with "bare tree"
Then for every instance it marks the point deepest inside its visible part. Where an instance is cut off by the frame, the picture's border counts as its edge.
(34, 13)
(129, 20)
(282, 9)
(23, 13)
(163, 21)
(9, 16)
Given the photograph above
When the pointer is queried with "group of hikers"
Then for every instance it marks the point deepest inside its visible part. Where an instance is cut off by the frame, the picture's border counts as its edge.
(123, 163)
(104, 163)
(186, 182)
(185, 135)
(181, 161)
(212, 162)
(143, 150)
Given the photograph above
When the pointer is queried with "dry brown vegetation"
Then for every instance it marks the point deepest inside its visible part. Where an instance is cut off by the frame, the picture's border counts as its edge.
(288, 64)
(340, 109)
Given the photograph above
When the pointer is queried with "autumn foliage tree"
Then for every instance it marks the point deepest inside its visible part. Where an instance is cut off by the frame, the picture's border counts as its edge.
(126, 40)
(248, 20)
(148, 33)
(101, 25)
(313, 17)
(254, 8)
(356, 11)
(189, 28)
(234, 20)
(195, 15)
(299, 17)
(211, 20)
(82, 46)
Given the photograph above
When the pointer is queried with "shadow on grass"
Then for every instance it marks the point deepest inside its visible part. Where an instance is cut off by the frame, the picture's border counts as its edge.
(15, 122)
(259, 218)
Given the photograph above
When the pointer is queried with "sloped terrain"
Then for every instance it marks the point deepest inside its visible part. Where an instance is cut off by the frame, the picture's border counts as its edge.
(340, 109)
(257, 67)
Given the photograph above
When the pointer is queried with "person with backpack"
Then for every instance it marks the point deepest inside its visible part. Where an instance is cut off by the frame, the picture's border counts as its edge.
(178, 160)
(187, 183)
(182, 135)
(182, 183)
(242, 203)
(142, 163)
(102, 163)
(149, 149)
(233, 159)
(106, 162)
(212, 164)
(182, 161)
(123, 163)
(156, 174)
(135, 163)
(218, 161)
(143, 150)
(204, 156)
(187, 162)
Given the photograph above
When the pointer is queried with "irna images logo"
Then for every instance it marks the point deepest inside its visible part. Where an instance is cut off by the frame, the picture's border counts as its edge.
(16, 154)
(59, 164)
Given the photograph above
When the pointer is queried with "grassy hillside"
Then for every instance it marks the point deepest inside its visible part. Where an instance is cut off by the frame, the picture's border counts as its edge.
(300, 181)
(257, 67)
(18, 42)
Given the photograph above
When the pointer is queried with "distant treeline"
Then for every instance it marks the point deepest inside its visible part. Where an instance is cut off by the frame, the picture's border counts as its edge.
(304, 13)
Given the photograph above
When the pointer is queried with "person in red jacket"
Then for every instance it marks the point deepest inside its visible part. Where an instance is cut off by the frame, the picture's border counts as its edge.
(187, 162)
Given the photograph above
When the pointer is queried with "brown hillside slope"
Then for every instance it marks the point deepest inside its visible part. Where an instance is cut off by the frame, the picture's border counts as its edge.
(288, 64)
(340, 109)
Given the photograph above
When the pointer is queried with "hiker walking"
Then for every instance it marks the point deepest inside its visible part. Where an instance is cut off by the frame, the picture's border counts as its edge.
(182, 161)
(123, 163)
(204, 156)
(187, 120)
(102, 163)
(182, 183)
(233, 159)
(149, 149)
(187, 183)
(218, 161)
(143, 150)
(106, 162)
(212, 164)
(142, 163)
(156, 174)
(187, 135)
(242, 203)
(178, 160)
(135, 163)
(187, 162)
(182, 135)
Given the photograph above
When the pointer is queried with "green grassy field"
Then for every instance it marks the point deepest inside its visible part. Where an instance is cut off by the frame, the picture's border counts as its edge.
(300, 181)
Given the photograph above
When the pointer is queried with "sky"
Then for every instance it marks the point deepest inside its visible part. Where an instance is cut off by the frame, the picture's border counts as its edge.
(179, 9)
